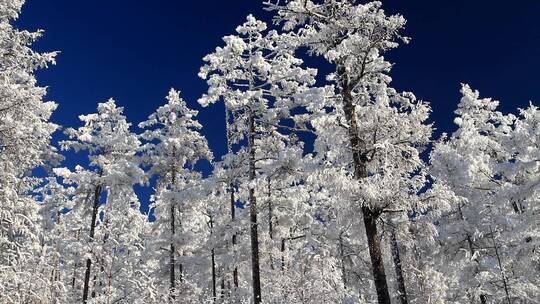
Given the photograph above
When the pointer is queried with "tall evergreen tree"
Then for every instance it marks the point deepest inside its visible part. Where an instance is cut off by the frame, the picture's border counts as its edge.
(490, 164)
(173, 146)
(257, 76)
(114, 169)
(370, 127)
(25, 134)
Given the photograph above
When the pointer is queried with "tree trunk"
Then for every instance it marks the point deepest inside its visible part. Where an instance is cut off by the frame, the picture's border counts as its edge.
(172, 259)
(73, 279)
(270, 225)
(222, 296)
(214, 293)
(375, 252)
(172, 254)
(232, 198)
(233, 218)
(95, 209)
(400, 280)
(255, 270)
(360, 171)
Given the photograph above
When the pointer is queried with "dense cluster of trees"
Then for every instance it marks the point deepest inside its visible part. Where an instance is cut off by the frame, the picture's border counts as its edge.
(332, 189)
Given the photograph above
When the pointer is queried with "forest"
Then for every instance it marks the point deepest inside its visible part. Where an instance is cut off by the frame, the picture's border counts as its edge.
(334, 188)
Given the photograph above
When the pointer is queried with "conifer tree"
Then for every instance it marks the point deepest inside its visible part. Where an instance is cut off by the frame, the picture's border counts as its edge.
(257, 76)
(113, 171)
(173, 145)
(25, 134)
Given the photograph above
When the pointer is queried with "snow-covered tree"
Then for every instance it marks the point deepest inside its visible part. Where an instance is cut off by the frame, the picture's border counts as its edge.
(488, 240)
(259, 79)
(113, 232)
(25, 133)
(173, 146)
(369, 136)
(324, 195)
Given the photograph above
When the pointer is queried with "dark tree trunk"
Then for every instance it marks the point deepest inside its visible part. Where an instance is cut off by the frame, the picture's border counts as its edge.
(375, 252)
(400, 280)
(214, 293)
(233, 219)
(93, 294)
(360, 172)
(73, 279)
(232, 198)
(270, 225)
(172, 259)
(95, 209)
(255, 270)
(222, 296)
(172, 253)
(270, 213)
(517, 206)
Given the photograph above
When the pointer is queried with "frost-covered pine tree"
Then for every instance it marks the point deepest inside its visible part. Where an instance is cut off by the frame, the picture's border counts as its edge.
(259, 79)
(25, 133)
(465, 164)
(367, 132)
(173, 145)
(113, 227)
(519, 232)
(487, 240)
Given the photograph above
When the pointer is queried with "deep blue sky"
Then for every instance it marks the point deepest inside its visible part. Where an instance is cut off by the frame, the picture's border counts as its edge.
(135, 50)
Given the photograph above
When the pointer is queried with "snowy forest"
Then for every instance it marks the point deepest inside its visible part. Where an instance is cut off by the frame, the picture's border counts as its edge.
(333, 188)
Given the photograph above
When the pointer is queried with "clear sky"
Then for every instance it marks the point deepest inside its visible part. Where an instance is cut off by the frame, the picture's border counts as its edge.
(136, 50)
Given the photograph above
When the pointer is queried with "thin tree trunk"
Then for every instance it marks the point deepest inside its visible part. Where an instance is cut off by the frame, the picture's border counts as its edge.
(400, 280)
(370, 215)
(232, 198)
(255, 270)
(180, 264)
(270, 214)
(95, 208)
(270, 225)
(93, 294)
(233, 219)
(214, 293)
(222, 286)
(172, 259)
(172, 254)
(73, 279)
(517, 206)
